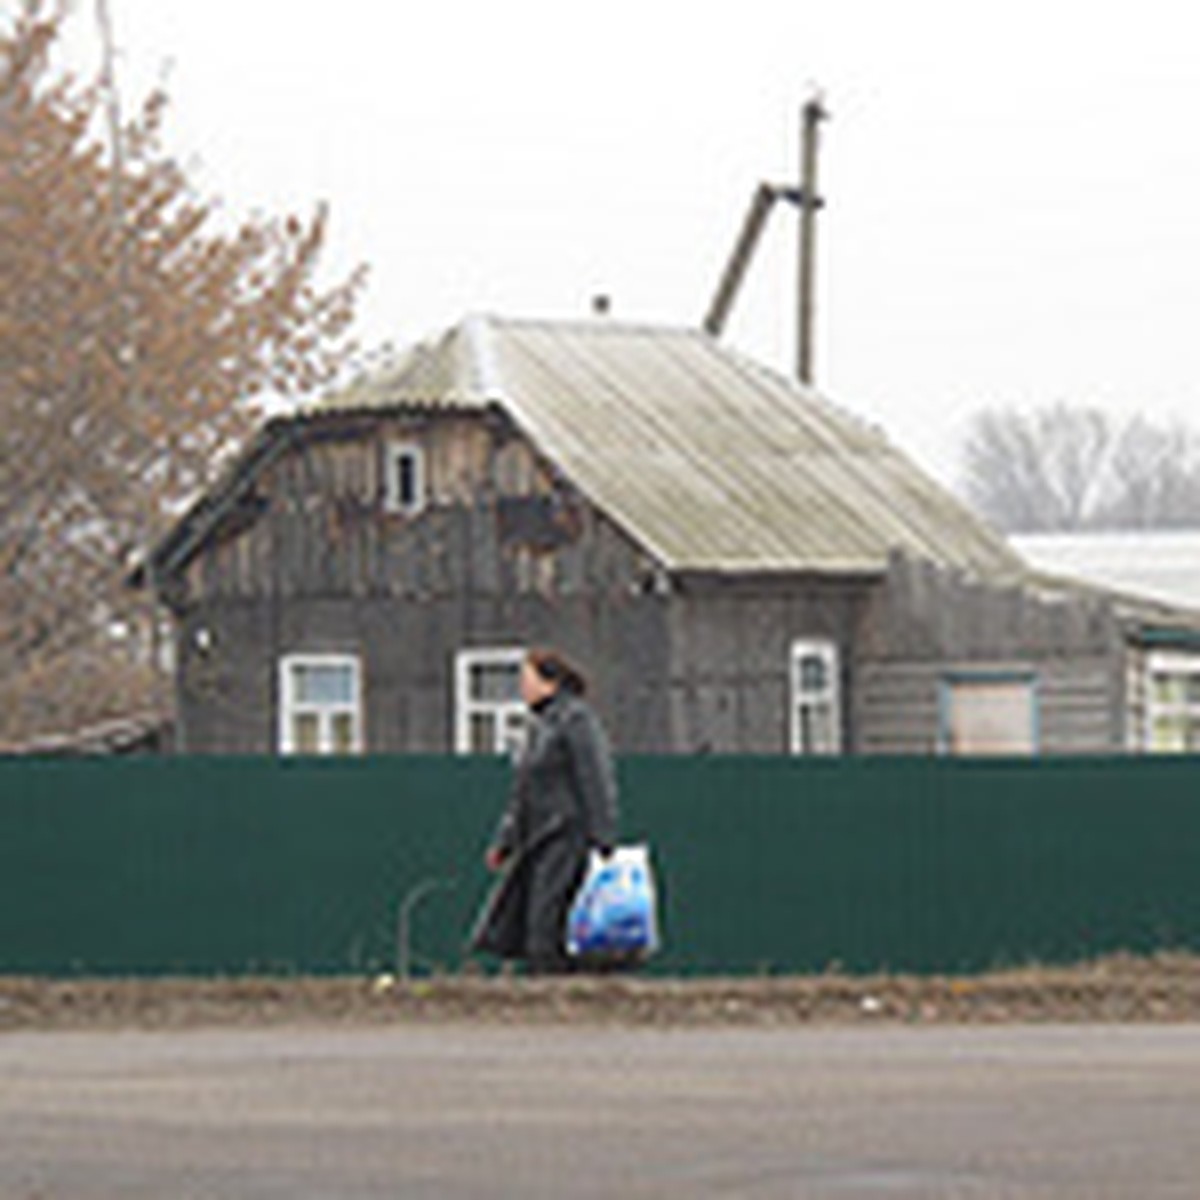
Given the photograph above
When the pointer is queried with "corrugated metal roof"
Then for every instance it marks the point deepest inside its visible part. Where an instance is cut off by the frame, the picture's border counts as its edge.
(711, 461)
(1162, 564)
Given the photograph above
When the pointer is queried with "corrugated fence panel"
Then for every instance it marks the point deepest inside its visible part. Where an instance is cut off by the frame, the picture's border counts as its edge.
(766, 864)
(233, 865)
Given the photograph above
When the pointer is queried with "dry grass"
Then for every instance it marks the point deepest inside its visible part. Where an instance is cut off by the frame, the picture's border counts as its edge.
(1161, 988)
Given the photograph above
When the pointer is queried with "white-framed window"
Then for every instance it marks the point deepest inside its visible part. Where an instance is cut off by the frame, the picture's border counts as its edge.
(320, 704)
(989, 713)
(816, 723)
(1172, 702)
(403, 477)
(489, 714)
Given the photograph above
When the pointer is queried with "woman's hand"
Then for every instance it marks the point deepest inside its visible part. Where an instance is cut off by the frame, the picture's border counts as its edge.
(495, 858)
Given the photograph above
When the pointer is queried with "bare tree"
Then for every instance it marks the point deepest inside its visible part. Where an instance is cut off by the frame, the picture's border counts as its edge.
(136, 330)
(1070, 467)
(1154, 477)
(1038, 470)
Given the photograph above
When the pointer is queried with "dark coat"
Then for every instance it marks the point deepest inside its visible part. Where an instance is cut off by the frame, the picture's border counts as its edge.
(563, 801)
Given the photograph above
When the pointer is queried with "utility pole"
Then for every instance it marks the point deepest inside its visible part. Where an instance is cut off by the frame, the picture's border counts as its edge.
(125, 301)
(735, 270)
(126, 309)
(112, 108)
(810, 201)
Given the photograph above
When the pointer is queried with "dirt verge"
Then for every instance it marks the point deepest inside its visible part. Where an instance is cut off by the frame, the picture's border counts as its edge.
(1163, 988)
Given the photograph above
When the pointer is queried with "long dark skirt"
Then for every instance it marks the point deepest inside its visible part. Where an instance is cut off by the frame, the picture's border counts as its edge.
(525, 916)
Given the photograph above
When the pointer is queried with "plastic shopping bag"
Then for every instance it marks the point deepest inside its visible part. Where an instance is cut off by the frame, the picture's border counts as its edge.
(614, 915)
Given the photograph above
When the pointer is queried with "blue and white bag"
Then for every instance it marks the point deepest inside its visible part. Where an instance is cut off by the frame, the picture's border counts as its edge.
(615, 913)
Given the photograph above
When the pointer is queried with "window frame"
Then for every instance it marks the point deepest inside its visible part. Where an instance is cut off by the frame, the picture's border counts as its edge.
(393, 502)
(1184, 665)
(983, 677)
(827, 650)
(466, 707)
(290, 706)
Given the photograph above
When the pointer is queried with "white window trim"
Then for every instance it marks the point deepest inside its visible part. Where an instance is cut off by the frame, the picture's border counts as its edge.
(392, 500)
(1165, 662)
(289, 706)
(827, 650)
(465, 707)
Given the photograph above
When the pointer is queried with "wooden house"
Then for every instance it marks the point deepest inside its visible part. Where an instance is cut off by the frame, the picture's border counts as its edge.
(1159, 566)
(740, 565)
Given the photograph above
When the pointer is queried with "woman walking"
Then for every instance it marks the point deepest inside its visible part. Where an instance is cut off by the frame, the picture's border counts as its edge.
(563, 802)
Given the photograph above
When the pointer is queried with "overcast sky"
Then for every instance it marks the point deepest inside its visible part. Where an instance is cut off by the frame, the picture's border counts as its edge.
(1013, 189)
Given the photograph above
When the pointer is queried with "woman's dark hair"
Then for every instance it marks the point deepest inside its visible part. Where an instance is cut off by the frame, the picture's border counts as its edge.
(555, 668)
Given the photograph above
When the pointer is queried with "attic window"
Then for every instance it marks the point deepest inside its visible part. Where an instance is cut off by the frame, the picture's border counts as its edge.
(404, 478)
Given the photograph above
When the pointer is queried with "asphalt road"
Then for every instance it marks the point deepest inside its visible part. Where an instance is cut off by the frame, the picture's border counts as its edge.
(455, 1112)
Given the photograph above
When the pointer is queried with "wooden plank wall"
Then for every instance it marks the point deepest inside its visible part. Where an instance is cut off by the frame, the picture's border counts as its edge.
(504, 554)
(730, 657)
(508, 553)
(926, 624)
(324, 529)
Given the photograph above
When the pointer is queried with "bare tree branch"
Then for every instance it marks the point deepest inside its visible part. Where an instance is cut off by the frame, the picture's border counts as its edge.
(1067, 467)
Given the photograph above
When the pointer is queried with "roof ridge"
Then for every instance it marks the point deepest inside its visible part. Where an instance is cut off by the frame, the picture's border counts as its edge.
(601, 325)
(481, 365)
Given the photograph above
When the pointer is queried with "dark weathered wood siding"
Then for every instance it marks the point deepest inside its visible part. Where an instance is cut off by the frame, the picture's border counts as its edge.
(731, 647)
(505, 553)
(926, 625)
(307, 559)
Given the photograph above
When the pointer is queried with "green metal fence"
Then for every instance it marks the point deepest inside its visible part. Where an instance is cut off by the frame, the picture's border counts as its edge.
(236, 865)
